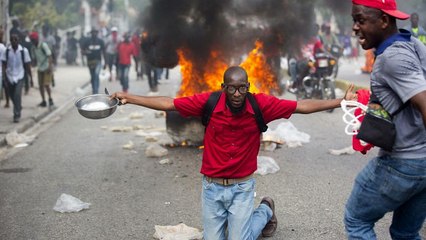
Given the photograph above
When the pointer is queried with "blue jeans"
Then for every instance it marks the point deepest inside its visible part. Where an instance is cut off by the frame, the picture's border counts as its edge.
(231, 208)
(123, 74)
(388, 185)
(94, 77)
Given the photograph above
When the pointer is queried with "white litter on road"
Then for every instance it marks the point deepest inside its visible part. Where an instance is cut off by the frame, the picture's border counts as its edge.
(16, 140)
(67, 204)
(347, 150)
(266, 165)
(178, 232)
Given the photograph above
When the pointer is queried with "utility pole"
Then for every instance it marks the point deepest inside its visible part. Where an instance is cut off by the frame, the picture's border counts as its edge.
(4, 16)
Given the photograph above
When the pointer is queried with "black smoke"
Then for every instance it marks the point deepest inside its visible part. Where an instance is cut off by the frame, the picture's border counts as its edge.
(229, 26)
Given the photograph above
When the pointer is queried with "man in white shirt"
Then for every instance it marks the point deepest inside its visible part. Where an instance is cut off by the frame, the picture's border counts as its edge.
(16, 63)
(2, 51)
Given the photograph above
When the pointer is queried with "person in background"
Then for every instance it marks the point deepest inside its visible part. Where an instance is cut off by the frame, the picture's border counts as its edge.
(16, 63)
(393, 181)
(111, 44)
(330, 41)
(82, 42)
(44, 60)
(26, 43)
(71, 49)
(125, 51)
(16, 29)
(152, 73)
(136, 40)
(94, 49)
(2, 52)
(232, 143)
(416, 30)
(47, 37)
(57, 46)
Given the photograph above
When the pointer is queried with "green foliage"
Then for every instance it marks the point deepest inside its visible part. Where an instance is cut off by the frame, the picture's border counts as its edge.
(60, 14)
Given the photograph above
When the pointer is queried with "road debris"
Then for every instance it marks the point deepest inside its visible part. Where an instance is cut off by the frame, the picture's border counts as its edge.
(178, 232)
(155, 150)
(16, 140)
(266, 165)
(347, 150)
(67, 204)
(129, 146)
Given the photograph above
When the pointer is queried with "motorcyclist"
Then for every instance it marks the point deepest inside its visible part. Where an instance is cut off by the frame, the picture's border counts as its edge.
(298, 62)
(330, 40)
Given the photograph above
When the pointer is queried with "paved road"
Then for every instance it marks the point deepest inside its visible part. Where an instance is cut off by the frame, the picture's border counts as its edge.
(131, 193)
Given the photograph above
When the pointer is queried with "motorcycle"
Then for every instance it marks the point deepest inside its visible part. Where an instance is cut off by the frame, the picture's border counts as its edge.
(336, 51)
(320, 81)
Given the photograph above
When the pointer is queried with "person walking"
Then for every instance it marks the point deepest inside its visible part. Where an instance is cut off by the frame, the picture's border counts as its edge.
(111, 45)
(16, 63)
(2, 51)
(232, 143)
(152, 73)
(416, 30)
(125, 51)
(395, 180)
(94, 49)
(44, 61)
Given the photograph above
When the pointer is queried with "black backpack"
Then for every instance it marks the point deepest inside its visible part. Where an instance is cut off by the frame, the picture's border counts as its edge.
(212, 102)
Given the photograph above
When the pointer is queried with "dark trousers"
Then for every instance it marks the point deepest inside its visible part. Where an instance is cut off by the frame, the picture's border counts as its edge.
(15, 93)
(152, 75)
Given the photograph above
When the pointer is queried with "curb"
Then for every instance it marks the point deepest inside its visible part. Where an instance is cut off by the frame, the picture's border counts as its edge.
(343, 85)
(42, 116)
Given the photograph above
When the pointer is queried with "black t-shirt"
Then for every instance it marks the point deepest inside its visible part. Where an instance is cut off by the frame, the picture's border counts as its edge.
(94, 49)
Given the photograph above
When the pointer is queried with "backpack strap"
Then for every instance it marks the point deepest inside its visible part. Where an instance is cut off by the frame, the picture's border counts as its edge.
(214, 99)
(210, 106)
(22, 56)
(257, 113)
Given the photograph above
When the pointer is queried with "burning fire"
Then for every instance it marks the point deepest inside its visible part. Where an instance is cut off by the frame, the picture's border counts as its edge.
(259, 73)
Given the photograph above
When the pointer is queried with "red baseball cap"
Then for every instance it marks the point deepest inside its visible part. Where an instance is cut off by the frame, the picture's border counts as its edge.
(387, 6)
(34, 35)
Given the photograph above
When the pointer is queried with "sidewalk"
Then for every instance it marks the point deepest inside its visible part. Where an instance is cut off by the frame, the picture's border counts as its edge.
(70, 82)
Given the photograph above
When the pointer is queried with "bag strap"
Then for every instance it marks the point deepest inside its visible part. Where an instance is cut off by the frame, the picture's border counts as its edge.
(214, 99)
(209, 107)
(22, 55)
(375, 99)
(257, 113)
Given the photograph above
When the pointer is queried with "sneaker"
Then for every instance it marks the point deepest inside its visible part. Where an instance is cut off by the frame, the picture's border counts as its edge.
(16, 120)
(271, 226)
(42, 104)
(50, 102)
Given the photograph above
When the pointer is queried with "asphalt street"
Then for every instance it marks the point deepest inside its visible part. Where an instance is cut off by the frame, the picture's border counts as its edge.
(131, 193)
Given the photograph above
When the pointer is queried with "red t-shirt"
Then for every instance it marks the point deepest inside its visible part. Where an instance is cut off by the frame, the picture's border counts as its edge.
(232, 142)
(125, 50)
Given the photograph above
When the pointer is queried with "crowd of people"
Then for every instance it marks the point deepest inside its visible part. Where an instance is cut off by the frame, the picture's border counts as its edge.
(41, 48)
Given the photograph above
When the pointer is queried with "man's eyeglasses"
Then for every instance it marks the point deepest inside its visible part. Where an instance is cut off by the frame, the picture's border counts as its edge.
(241, 89)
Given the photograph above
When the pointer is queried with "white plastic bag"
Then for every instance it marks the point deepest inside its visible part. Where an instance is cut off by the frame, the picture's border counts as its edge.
(178, 232)
(291, 136)
(266, 165)
(68, 203)
(104, 75)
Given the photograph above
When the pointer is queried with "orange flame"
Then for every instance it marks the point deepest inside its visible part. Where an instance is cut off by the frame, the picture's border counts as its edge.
(259, 73)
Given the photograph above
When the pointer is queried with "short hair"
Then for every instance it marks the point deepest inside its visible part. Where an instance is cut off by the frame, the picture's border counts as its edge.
(235, 71)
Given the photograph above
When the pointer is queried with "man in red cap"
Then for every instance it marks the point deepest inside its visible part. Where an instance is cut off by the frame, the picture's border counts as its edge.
(395, 180)
(44, 59)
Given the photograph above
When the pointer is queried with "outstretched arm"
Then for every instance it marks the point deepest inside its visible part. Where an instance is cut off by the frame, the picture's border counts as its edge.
(312, 105)
(154, 102)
